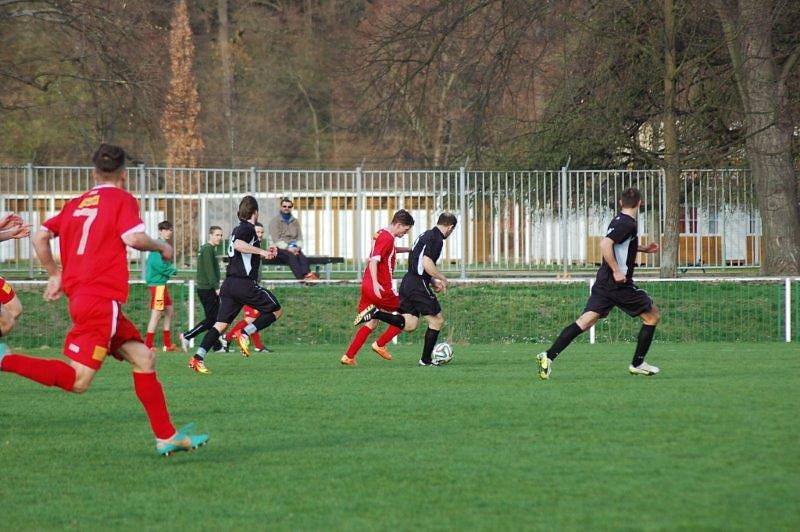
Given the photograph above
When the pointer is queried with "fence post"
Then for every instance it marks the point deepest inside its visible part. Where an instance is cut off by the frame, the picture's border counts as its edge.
(462, 185)
(29, 185)
(142, 210)
(592, 336)
(191, 309)
(563, 208)
(253, 179)
(788, 304)
(359, 206)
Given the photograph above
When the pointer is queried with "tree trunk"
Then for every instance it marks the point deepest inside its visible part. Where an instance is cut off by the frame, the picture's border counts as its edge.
(769, 142)
(672, 171)
(223, 36)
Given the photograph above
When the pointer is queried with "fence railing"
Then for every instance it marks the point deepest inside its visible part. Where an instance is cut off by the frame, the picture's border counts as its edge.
(478, 311)
(508, 220)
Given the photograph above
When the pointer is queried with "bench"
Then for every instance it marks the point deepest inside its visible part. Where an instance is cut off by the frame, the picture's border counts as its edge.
(314, 260)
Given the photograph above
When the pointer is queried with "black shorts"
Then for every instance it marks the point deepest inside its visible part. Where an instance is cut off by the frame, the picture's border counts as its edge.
(237, 292)
(417, 298)
(631, 300)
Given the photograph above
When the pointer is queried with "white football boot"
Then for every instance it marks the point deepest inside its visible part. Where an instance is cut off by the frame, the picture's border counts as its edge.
(643, 369)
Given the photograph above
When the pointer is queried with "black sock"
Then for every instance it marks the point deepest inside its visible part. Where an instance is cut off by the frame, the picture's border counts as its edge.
(646, 334)
(391, 318)
(210, 339)
(566, 337)
(430, 341)
(197, 329)
(264, 320)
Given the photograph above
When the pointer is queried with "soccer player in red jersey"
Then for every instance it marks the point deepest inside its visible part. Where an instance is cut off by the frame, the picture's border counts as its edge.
(11, 226)
(93, 230)
(377, 290)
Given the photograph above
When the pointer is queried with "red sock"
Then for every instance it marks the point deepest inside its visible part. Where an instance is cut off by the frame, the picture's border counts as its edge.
(236, 328)
(388, 334)
(42, 370)
(167, 339)
(256, 338)
(358, 340)
(151, 394)
(148, 340)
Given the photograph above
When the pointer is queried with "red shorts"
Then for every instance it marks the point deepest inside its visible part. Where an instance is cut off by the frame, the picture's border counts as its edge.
(159, 297)
(6, 292)
(390, 301)
(250, 312)
(99, 329)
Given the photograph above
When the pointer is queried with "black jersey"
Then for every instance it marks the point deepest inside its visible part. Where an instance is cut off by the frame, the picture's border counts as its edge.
(429, 244)
(244, 264)
(623, 231)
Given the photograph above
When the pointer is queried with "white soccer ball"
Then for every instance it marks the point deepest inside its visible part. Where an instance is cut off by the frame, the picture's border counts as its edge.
(442, 354)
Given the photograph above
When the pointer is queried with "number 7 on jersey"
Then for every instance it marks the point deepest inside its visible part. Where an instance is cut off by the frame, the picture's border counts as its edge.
(90, 214)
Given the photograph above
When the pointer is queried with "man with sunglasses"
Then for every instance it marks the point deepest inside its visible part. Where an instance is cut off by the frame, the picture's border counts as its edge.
(286, 235)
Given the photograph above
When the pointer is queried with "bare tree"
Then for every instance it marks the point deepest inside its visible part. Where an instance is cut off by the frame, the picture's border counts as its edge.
(762, 85)
(181, 127)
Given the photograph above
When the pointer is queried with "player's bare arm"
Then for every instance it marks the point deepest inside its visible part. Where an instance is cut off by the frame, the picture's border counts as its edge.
(607, 248)
(12, 226)
(143, 242)
(373, 273)
(402, 250)
(243, 247)
(433, 271)
(41, 245)
(652, 247)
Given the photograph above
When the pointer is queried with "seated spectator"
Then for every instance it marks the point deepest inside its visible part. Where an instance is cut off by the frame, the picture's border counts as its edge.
(285, 234)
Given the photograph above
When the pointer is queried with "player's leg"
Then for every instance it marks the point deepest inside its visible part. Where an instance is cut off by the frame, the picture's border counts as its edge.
(210, 302)
(157, 305)
(570, 332)
(435, 324)
(152, 324)
(390, 302)
(86, 347)
(269, 308)
(363, 332)
(69, 376)
(10, 312)
(650, 320)
(169, 311)
(229, 307)
(256, 336)
(635, 302)
(151, 394)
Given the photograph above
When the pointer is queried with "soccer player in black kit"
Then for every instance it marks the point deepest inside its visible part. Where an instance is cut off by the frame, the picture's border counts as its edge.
(241, 287)
(614, 287)
(417, 289)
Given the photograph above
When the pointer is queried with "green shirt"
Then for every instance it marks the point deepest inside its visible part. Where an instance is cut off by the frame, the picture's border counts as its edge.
(158, 270)
(207, 268)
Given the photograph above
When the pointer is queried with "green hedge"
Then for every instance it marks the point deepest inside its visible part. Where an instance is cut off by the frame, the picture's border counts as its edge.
(476, 313)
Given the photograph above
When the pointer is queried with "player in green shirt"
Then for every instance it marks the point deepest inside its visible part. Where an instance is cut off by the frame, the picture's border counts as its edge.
(208, 279)
(157, 274)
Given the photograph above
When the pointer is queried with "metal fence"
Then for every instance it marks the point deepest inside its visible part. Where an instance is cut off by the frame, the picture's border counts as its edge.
(508, 220)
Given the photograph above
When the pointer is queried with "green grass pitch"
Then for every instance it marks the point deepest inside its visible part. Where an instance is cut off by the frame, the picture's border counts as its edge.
(299, 442)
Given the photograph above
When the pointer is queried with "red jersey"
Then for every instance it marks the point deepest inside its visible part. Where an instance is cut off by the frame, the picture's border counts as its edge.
(383, 251)
(90, 229)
